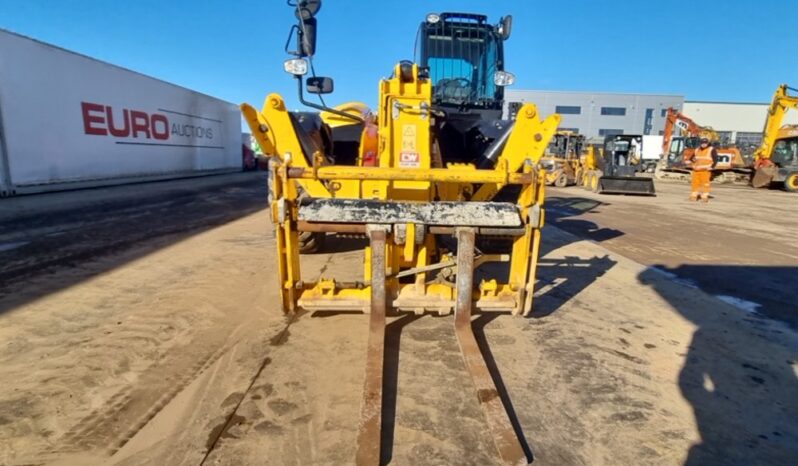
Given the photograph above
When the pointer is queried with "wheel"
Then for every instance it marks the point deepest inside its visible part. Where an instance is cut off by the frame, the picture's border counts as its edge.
(561, 181)
(311, 242)
(791, 182)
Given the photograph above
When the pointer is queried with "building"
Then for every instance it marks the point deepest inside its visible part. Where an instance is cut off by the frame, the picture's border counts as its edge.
(741, 122)
(599, 114)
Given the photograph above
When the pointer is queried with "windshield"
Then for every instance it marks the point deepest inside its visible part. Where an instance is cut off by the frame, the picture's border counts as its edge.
(692, 142)
(785, 152)
(462, 58)
(620, 146)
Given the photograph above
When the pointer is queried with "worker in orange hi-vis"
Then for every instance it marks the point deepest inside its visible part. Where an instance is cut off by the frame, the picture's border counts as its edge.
(703, 161)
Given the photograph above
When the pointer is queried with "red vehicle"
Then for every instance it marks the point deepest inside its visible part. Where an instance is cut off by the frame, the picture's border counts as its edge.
(250, 160)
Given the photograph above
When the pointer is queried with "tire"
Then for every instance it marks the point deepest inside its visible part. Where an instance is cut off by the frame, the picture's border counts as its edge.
(311, 242)
(791, 182)
(561, 181)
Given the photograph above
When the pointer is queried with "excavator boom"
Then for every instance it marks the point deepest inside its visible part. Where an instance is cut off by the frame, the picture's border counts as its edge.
(776, 159)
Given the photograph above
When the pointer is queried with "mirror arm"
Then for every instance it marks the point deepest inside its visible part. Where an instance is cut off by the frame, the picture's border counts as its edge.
(288, 41)
(322, 107)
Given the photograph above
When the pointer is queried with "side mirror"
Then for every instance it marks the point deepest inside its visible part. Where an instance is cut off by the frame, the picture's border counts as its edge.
(306, 38)
(319, 85)
(307, 9)
(505, 27)
(305, 12)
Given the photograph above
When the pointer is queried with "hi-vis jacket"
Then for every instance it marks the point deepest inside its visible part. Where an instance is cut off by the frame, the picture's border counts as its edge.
(704, 159)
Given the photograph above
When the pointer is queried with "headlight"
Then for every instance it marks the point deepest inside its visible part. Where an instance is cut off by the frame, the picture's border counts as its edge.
(296, 66)
(503, 78)
(433, 18)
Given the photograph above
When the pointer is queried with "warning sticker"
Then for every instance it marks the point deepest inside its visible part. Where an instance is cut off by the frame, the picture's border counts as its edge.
(409, 159)
(409, 138)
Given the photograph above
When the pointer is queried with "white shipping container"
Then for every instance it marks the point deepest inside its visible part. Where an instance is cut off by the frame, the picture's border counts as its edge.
(70, 120)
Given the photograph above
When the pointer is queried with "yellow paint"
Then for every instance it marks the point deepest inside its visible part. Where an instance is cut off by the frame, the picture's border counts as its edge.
(409, 170)
(774, 131)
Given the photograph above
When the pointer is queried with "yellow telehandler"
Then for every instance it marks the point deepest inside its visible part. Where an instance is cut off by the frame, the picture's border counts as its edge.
(428, 167)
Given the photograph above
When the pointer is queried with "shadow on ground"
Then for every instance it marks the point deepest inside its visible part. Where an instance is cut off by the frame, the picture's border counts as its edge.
(768, 290)
(561, 210)
(739, 379)
(58, 248)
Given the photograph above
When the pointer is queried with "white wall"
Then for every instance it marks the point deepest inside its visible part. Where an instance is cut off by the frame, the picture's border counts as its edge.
(734, 117)
(590, 121)
(55, 108)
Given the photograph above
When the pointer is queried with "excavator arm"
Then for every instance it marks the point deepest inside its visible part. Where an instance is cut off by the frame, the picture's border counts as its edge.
(782, 102)
(686, 126)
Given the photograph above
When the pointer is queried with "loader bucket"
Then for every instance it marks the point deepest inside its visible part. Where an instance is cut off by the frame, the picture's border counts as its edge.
(626, 185)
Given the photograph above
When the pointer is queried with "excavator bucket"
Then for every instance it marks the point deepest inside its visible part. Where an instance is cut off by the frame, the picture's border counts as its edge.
(626, 185)
(763, 176)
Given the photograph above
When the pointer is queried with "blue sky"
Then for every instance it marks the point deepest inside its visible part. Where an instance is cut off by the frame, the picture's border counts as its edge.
(736, 50)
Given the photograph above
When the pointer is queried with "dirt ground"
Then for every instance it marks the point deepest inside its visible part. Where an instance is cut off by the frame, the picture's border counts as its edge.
(738, 246)
(143, 329)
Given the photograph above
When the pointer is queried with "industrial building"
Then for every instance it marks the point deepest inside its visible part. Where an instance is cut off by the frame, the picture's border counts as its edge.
(599, 114)
(738, 122)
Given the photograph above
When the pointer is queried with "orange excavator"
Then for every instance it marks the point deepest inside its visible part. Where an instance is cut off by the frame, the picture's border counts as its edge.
(682, 137)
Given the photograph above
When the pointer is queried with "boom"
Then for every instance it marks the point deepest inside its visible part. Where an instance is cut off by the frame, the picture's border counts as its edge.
(687, 127)
(782, 102)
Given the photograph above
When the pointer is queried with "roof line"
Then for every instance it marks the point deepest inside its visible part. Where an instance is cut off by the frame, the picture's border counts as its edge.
(592, 92)
(725, 103)
(47, 44)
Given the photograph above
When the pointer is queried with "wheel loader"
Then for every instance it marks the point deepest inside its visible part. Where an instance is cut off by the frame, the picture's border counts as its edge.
(422, 184)
(562, 160)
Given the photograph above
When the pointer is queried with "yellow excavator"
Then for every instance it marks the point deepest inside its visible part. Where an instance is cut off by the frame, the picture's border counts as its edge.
(776, 160)
(434, 169)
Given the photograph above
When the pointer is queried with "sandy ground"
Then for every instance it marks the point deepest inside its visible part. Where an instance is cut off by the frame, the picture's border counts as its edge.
(737, 246)
(169, 348)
